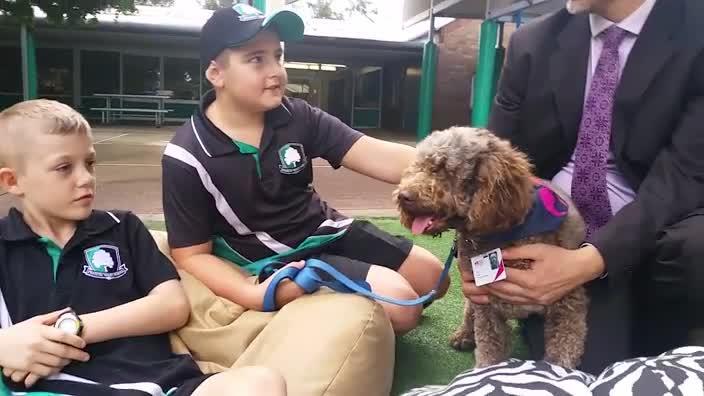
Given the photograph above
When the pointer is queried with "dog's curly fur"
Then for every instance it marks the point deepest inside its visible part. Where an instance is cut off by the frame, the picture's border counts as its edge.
(471, 180)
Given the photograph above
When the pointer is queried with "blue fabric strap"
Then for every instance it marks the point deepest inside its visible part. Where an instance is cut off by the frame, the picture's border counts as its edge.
(310, 280)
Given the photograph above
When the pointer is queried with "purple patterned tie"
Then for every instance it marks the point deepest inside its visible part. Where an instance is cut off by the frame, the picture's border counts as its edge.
(589, 190)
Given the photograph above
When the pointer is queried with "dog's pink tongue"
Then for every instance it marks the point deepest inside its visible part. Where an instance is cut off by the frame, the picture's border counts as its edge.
(420, 224)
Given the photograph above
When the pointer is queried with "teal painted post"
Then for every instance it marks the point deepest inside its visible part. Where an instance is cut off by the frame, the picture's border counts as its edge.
(427, 82)
(485, 79)
(29, 63)
(260, 5)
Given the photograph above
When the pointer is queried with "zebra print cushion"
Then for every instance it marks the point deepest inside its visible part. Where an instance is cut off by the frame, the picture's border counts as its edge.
(677, 372)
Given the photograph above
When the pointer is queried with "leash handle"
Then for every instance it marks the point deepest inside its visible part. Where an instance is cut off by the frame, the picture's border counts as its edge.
(309, 279)
(352, 286)
(270, 293)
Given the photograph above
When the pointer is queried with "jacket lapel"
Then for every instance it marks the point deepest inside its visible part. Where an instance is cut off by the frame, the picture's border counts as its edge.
(651, 51)
(568, 71)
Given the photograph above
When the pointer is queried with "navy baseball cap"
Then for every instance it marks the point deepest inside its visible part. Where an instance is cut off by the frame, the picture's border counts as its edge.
(236, 25)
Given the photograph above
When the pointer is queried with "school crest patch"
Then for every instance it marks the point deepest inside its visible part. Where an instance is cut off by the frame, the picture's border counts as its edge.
(245, 12)
(292, 158)
(103, 262)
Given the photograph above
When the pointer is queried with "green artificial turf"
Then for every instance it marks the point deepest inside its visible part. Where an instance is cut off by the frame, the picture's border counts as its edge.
(424, 356)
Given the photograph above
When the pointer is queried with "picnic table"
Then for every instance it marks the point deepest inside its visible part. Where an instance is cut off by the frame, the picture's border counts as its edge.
(109, 112)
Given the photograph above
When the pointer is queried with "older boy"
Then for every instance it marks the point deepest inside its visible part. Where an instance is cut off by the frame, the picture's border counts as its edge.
(238, 177)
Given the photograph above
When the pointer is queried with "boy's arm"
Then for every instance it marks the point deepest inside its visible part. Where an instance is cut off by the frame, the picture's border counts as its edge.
(163, 305)
(228, 281)
(189, 211)
(164, 309)
(379, 159)
(341, 145)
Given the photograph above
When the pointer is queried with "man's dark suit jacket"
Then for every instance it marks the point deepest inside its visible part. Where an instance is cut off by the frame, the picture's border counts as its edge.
(658, 120)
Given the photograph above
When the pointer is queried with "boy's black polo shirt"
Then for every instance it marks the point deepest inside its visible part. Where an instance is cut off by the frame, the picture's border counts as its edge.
(111, 260)
(254, 204)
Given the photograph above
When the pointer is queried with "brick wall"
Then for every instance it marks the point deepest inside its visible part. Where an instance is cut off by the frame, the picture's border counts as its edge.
(458, 49)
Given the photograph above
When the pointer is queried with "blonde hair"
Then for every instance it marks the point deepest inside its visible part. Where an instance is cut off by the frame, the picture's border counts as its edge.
(36, 116)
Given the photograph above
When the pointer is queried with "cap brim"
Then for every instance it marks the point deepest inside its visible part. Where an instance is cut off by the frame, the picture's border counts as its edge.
(287, 23)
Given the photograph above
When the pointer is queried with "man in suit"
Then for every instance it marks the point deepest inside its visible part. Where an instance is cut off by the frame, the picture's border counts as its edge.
(607, 98)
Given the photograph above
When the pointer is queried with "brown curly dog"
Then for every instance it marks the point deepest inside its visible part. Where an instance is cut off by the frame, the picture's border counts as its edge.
(471, 180)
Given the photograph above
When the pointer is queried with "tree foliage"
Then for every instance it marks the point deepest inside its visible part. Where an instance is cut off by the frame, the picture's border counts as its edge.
(323, 9)
(157, 3)
(340, 9)
(64, 11)
(215, 4)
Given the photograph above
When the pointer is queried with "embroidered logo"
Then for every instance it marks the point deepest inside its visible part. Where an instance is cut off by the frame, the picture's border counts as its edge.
(293, 158)
(247, 13)
(103, 262)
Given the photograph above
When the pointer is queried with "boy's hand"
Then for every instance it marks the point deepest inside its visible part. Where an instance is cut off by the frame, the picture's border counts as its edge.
(29, 379)
(286, 292)
(33, 349)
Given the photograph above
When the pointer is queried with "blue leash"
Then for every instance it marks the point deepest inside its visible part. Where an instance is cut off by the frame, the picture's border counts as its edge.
(310, 280)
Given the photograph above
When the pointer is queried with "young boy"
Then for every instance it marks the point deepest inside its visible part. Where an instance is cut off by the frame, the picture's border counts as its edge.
(238, 176)
(58, 252)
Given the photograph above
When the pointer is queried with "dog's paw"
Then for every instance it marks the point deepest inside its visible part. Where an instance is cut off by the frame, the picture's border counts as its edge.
(568, 362)
(462, 339)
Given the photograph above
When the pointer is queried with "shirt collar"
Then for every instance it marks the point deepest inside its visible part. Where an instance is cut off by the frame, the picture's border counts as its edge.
(14, 228)
(633, 23)
(215, 141)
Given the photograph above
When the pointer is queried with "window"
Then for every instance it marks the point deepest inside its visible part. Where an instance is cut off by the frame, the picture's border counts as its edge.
(10, 71)
(181, 76)
(100, 72)
(368, 88)
(55, 72)
(141, 75)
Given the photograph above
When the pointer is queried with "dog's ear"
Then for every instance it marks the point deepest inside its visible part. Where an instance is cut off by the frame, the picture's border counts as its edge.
(502, 190)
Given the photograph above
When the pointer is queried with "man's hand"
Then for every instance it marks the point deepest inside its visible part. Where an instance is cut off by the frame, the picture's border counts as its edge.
(34, 349)
(555, 272)
(475, 294)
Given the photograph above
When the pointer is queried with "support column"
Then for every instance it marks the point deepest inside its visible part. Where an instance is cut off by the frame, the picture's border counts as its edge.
(427, 82)
(29, 63)
(260, 5)
(485, 80)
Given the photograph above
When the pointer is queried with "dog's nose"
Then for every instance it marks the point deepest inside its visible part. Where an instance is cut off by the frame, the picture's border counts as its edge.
(406, 197)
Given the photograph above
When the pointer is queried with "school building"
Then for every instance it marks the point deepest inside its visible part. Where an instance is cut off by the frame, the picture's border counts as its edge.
(365, 77)
(367, 83)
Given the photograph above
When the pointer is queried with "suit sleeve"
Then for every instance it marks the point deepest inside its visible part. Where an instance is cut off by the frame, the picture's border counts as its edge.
(673, 188)
(511, 90)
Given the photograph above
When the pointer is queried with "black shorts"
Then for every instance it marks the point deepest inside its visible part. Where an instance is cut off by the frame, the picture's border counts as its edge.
(362, 246)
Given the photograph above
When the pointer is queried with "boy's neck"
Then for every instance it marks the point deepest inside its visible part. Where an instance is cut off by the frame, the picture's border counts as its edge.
(236, 122)
(60, 231)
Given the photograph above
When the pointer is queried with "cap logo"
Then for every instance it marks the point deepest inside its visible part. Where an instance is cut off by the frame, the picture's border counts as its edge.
(246, 12)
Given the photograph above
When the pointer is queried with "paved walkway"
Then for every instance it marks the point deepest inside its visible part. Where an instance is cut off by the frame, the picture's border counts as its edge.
(129, 176)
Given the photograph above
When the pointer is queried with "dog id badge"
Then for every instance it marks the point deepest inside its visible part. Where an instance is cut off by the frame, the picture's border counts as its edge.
(488, 267)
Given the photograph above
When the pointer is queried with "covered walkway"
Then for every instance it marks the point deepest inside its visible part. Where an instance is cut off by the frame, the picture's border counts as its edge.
(495, 14)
